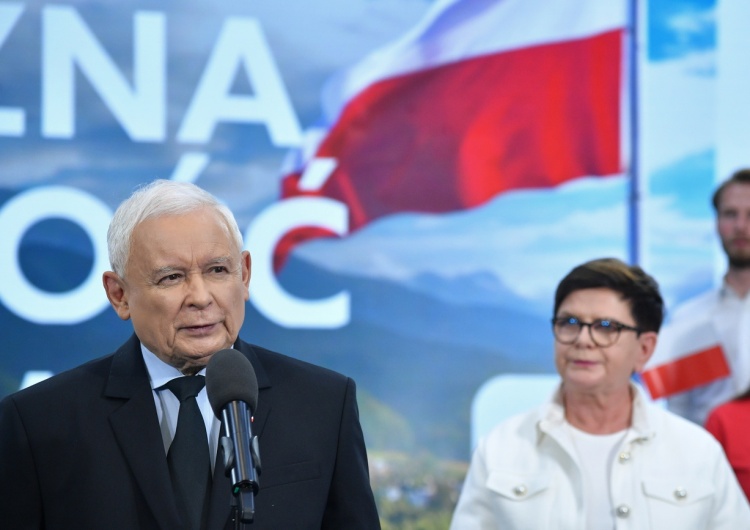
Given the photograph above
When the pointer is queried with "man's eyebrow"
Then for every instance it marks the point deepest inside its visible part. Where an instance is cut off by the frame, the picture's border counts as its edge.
(171, 269)
(168, 269)
(156, 274)
(219, 260)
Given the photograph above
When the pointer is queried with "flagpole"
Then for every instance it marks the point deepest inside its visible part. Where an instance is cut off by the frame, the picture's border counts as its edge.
(634, 194)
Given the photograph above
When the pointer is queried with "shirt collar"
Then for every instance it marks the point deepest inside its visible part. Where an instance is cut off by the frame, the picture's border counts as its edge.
(159, 372)
(643, 422)
(725, 290)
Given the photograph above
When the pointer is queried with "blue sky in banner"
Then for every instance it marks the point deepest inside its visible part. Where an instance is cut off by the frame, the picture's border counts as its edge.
(678, 28)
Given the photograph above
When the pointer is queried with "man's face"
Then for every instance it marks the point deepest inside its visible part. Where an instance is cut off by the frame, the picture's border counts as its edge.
(733, 224)
(185, 287)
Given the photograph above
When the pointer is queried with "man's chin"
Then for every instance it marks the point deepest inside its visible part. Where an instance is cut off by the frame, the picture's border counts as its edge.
(195, 359)
(739, 262)
(198, 347)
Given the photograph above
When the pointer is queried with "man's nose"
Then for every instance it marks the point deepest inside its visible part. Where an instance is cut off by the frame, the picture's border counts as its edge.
(199, 293)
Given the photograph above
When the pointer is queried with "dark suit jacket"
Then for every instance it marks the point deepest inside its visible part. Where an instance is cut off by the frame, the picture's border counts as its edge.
(83, 450)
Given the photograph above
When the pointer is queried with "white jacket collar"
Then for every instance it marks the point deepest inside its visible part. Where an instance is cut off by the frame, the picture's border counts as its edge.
(642, 426)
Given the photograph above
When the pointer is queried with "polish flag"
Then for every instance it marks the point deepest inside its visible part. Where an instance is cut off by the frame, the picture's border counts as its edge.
(481, 97)
(688, 355)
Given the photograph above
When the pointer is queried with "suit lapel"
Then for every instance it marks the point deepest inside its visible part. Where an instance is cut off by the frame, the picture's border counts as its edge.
(260, 416)
(136, 428)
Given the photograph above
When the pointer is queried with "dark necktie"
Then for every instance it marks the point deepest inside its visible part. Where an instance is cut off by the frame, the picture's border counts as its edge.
(188, 457)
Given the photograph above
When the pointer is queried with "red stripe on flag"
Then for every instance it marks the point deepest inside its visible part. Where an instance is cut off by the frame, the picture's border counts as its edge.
(454, 136)
(686, 373)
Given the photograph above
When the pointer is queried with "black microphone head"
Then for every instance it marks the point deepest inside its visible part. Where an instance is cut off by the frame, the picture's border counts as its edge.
(230, 377)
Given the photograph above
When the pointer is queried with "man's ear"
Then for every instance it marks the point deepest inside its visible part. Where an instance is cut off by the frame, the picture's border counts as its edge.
(246, 262)
(117, 294)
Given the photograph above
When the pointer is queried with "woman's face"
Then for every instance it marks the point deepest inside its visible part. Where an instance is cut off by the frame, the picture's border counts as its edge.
(586, 367)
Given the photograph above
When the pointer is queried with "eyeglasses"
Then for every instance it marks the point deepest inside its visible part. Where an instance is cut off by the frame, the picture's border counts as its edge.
(603, 332)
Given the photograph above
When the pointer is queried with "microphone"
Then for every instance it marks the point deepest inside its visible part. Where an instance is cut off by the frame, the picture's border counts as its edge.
(232, 390)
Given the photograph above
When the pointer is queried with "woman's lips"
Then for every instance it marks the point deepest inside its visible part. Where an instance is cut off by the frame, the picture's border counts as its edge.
(580, 362)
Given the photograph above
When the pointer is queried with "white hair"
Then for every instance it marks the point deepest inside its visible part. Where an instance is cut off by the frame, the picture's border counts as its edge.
(155, 199)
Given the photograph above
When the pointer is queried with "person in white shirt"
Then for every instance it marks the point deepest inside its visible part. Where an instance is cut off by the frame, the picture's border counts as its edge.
(718, 317)
(599, 455)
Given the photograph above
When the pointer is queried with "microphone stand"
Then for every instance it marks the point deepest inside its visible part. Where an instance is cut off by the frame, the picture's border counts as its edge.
(242, 465)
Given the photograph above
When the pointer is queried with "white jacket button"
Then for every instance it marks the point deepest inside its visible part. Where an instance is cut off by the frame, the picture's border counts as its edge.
(520, 490)
(623, 511)
(680, 493)
(623, 457)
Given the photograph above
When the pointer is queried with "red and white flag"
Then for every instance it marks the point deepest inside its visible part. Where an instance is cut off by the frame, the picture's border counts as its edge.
(688, 355)
(481, 97)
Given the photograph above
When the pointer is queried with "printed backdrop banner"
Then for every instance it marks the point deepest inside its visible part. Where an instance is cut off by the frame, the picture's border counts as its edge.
(455, 149)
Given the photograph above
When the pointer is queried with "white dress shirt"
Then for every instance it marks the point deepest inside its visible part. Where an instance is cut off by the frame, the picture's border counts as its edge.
(168, 406)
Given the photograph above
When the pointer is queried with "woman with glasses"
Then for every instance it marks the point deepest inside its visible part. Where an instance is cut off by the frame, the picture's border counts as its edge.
(599, 455)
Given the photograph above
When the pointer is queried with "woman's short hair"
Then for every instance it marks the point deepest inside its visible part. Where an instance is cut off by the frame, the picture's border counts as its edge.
(635, 287)
(156, 199)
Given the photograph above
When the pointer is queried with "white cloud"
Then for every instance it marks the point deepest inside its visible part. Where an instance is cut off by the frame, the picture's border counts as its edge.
(528, 255)
(693, 22)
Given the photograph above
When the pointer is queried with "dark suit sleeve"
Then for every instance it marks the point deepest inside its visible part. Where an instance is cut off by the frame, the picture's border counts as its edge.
(350, 502)
(20, 498)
